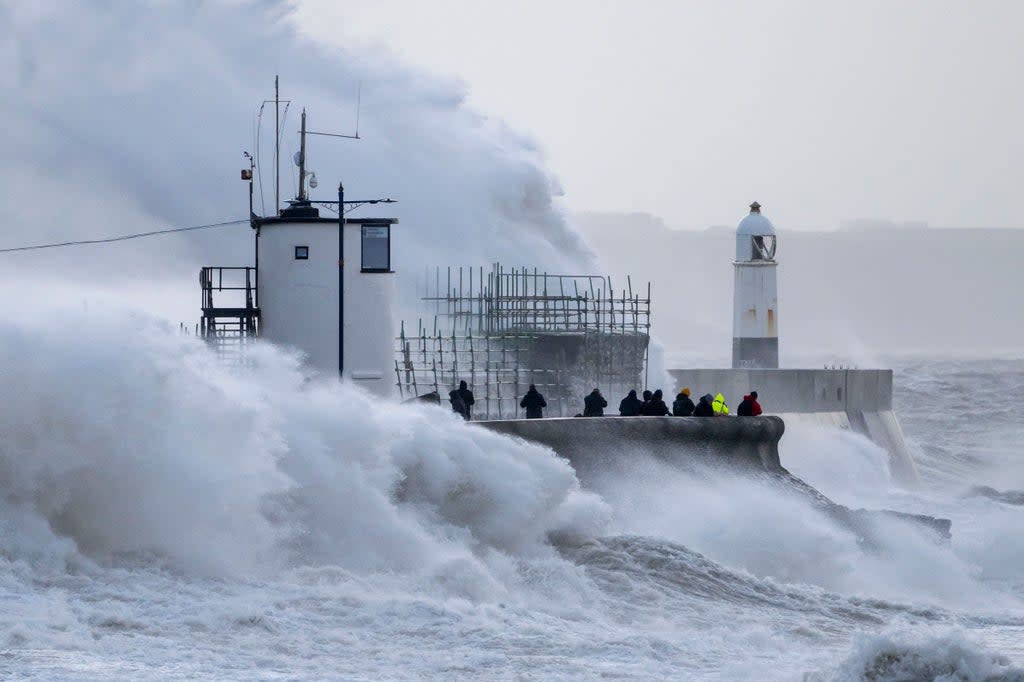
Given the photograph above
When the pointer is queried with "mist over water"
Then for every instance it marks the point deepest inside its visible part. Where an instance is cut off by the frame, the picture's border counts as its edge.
(163, 517)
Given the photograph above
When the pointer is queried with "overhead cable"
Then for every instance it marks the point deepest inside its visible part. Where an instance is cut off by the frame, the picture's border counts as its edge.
(121, 238)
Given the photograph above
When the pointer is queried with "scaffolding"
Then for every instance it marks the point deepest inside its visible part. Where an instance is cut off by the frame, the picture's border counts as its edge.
(504, 329)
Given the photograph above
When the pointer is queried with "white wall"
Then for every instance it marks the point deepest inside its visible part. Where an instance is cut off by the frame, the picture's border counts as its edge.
(299, 302)
(369, 319)
(299, 298)
(755, 301)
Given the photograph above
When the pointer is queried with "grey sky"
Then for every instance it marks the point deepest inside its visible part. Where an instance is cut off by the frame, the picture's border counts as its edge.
(823, 111)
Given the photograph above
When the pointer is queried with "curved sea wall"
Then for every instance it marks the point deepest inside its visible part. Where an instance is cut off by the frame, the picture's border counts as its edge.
(858, 400)
(600, 443)
(599, 446)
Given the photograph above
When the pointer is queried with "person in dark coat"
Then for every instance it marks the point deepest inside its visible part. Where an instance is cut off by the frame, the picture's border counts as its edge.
(682, 406)
(703, 408)
(467, 397)
(657, 406)
(458, 404)
(534, 403)
(594, 404)
(646, 403)
(749, 407)
(630, 405)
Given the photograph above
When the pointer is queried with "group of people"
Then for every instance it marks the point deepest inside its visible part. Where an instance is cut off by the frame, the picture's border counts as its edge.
(707, 405)
(594, 404)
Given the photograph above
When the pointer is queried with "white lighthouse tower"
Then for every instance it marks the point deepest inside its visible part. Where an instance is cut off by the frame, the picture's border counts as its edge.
(755, 326)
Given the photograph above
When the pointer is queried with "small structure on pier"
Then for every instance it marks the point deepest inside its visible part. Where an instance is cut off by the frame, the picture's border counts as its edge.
(501, 330)
(323, 285)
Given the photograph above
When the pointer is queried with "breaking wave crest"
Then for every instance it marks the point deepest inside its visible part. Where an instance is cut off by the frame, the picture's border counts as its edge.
(121, 438)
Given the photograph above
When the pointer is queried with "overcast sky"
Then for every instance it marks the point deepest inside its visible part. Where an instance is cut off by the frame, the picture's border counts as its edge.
(822, 111)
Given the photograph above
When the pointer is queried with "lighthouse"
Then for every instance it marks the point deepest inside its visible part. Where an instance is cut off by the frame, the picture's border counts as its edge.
(755, 326)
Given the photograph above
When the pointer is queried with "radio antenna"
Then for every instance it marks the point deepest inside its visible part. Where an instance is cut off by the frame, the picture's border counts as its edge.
(359, 103)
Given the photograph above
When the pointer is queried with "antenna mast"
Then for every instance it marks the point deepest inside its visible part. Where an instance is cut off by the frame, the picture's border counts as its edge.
(302, 159)
(277, 147)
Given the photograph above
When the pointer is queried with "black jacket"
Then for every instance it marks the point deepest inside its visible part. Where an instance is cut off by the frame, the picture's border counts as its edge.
(458, 404)
(683, 406)
(534, 403)
(703, 409)
(657, 408)
(594, 404)
(467, 397)
(630, 405)
(745, 408)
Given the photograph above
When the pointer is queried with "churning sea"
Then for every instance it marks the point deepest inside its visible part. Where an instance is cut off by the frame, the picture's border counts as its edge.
(164, 518)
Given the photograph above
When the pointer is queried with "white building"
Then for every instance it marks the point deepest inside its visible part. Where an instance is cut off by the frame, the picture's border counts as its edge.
(326, 287)
(755, 326)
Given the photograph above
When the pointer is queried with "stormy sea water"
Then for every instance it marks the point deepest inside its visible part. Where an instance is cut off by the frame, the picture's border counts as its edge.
(164, 517)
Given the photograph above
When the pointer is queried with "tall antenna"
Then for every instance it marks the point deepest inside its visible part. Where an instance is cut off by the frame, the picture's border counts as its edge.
(277, 147)
(302, 159)
(359, 104)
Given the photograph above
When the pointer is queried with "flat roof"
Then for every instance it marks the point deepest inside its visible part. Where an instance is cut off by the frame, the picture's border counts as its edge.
(277, 220)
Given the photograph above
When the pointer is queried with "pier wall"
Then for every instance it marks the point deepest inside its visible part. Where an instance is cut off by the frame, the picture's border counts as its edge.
(849, 399)
(600, 444)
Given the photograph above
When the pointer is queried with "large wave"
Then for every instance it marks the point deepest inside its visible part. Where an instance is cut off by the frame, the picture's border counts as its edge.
(121, 437)
(134, 117)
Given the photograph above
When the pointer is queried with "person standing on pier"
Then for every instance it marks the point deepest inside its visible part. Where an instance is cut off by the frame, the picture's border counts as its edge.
(749, 407)
(630, 405)
(462, 400)
(682, 406)
(704, 408)
(534, 403)
(594, 404)
(657, 407)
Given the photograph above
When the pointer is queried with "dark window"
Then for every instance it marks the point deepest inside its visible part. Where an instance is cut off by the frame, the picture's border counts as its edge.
(301, 253)
(376, 248)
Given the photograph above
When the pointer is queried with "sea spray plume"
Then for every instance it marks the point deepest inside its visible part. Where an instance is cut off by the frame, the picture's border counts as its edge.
(771, 527)
(135, 116)
(899, 655)
(127, 439)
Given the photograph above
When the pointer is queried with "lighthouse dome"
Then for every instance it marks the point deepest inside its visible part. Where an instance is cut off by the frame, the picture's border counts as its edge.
(755, 224)
(755, 237)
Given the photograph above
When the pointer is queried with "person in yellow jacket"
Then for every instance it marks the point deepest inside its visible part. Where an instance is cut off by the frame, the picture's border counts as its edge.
(719, 407)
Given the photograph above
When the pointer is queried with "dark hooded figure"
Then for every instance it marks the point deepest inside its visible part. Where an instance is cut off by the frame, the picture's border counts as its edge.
(594, 404)
(534, 403)
(646, 403)
(682, 406)
(630, 405)
(458, 404)
(657, 406)
(467, 398)
(703, 408)
(749, 407)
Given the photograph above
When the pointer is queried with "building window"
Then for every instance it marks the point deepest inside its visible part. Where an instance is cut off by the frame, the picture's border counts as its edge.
(301, 253)
(376, 248)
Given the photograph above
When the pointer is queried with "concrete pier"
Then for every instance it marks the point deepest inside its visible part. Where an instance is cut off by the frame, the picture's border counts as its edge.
(600, 443)
(601, 446)
(858, 400)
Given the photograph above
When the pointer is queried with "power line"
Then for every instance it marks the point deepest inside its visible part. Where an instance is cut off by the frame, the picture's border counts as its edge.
(121, 238)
